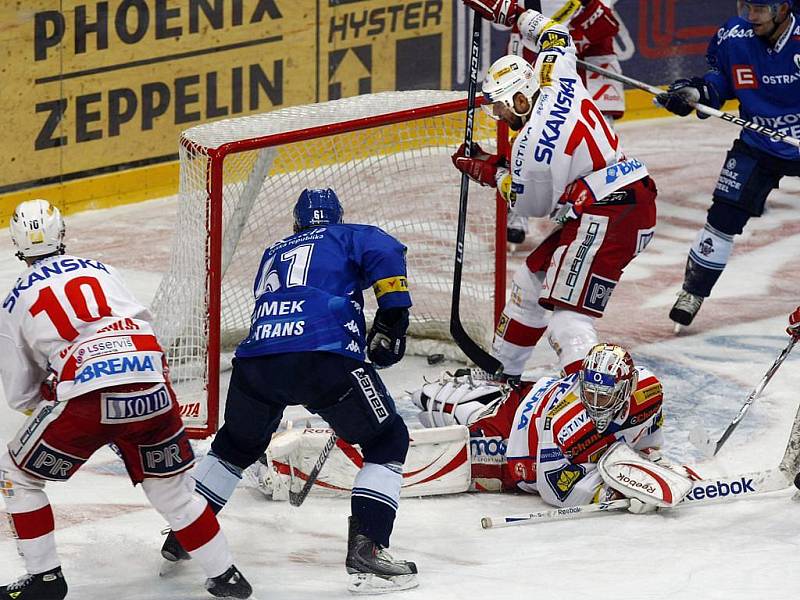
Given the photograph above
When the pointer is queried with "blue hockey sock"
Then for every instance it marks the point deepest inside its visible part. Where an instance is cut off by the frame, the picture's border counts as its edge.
(215, 480)
(376, 493)
(707, 259)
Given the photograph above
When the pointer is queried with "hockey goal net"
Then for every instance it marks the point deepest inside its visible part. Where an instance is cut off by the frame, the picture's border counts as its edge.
(387, 156)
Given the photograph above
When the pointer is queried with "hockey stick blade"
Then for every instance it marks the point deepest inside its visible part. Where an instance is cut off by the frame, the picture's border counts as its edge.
(704, 491)
(700, 439)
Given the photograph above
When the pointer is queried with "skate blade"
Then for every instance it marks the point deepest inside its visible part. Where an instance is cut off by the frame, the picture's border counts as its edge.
(676, 329)
(368, 583)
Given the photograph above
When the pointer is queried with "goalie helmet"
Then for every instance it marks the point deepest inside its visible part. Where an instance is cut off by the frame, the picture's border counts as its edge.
(507, 76)
(607, 379)
(37, 229)
(317, 207)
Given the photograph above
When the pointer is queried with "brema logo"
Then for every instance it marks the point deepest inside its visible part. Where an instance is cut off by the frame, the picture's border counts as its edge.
(115, 366)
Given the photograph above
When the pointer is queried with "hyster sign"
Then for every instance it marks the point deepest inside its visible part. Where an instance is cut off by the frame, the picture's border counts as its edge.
(103, 85)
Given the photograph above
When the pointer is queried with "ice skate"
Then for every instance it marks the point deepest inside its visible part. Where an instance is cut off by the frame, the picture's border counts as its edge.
(173, 554)
(49, 585)
(231, 584)
(685, 309)
(373, 570)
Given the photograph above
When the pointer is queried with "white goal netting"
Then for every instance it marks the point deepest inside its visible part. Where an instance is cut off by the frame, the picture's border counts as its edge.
(398, 176)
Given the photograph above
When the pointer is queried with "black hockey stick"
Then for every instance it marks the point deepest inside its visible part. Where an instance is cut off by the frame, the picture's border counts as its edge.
(701, 439)
(297, 498)
(474, 352)
(775, 136)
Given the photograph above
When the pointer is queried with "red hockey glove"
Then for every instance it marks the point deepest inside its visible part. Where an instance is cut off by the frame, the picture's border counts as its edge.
(47, 389)
(576, 198)
(594, 28)
(502, 12)
(794, 324)
(479, 166)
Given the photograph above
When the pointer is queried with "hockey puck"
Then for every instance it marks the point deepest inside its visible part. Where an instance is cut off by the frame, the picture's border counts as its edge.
(435, 359)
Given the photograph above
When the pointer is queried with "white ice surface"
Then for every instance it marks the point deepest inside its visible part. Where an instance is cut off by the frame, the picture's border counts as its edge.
(109, 538)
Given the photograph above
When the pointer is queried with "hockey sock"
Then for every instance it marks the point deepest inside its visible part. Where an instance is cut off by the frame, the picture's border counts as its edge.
(216, 479)
(204, 540)
(374, 500)
(30, 516)
(707, 259)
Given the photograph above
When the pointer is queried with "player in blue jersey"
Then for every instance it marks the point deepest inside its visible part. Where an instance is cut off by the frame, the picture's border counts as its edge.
(307, 345)
(753, 58)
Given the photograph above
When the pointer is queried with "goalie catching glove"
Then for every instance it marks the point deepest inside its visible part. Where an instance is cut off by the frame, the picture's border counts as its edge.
(480, 166)
(386, 342)
(648, 485)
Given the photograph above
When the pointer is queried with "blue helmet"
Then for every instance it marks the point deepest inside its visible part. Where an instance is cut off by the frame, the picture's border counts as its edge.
(317, 207)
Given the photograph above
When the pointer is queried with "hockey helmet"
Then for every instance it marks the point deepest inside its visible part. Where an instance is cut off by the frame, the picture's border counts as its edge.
(507, 76)
(766, 8)
(317, 207)
(607, 379)
(37, 229)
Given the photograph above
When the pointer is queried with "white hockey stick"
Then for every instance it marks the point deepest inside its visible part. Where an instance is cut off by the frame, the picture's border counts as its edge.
(700, 438)
(775, 136)
(705, 491)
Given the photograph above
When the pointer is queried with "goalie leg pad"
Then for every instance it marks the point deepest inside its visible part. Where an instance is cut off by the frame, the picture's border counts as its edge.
(633, 476)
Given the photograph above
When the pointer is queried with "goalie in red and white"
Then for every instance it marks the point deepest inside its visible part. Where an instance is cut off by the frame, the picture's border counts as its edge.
(567, 163)
(545, 437)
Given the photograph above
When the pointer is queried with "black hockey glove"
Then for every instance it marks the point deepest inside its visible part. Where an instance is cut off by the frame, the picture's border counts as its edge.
(683, 94)
(386, 342)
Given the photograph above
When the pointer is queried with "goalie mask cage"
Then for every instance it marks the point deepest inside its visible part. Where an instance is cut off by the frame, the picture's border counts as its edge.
(387, 156)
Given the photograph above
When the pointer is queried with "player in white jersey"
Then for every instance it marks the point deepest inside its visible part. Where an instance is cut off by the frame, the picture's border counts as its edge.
(80, 357)
(593, 26)
(567, 163)
(548, 437)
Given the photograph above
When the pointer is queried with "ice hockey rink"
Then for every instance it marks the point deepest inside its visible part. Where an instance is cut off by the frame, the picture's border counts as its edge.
(109, 538)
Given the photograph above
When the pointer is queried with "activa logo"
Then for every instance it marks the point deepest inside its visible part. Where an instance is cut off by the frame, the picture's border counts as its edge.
(721, 488)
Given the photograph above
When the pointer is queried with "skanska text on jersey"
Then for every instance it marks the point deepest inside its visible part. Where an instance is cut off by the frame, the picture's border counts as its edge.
(46, 270)
(558, 116)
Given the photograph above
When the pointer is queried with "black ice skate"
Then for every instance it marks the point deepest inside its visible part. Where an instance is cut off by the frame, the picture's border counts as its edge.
(372, 570)
(231, 584)
(49, 585)
(685, 309)
(173, 553)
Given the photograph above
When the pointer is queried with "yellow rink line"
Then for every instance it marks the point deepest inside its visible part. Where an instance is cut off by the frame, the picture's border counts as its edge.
(157, 181)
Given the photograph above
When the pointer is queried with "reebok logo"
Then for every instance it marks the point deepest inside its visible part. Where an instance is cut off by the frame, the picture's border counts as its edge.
(720, 489)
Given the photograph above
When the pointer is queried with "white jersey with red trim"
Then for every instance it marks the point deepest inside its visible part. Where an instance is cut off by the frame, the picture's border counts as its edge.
(554, 445)
(566, 137)
(76, 318)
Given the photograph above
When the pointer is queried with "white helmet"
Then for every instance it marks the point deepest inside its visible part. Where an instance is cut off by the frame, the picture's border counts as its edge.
(37, 229)
(607, 378)
(507, 76)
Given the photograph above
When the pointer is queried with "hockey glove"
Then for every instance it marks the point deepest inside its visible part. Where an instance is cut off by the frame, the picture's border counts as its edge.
(386, 342)
(683, 94)
(576, 198)
(502, 12)
(794, 324)
(480, 166)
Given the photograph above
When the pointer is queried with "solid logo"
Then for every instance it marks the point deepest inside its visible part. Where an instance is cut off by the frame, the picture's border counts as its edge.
(132, 407)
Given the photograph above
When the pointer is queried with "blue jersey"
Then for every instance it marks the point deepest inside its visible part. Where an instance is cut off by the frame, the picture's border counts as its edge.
(765, 79)
(308, 290)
